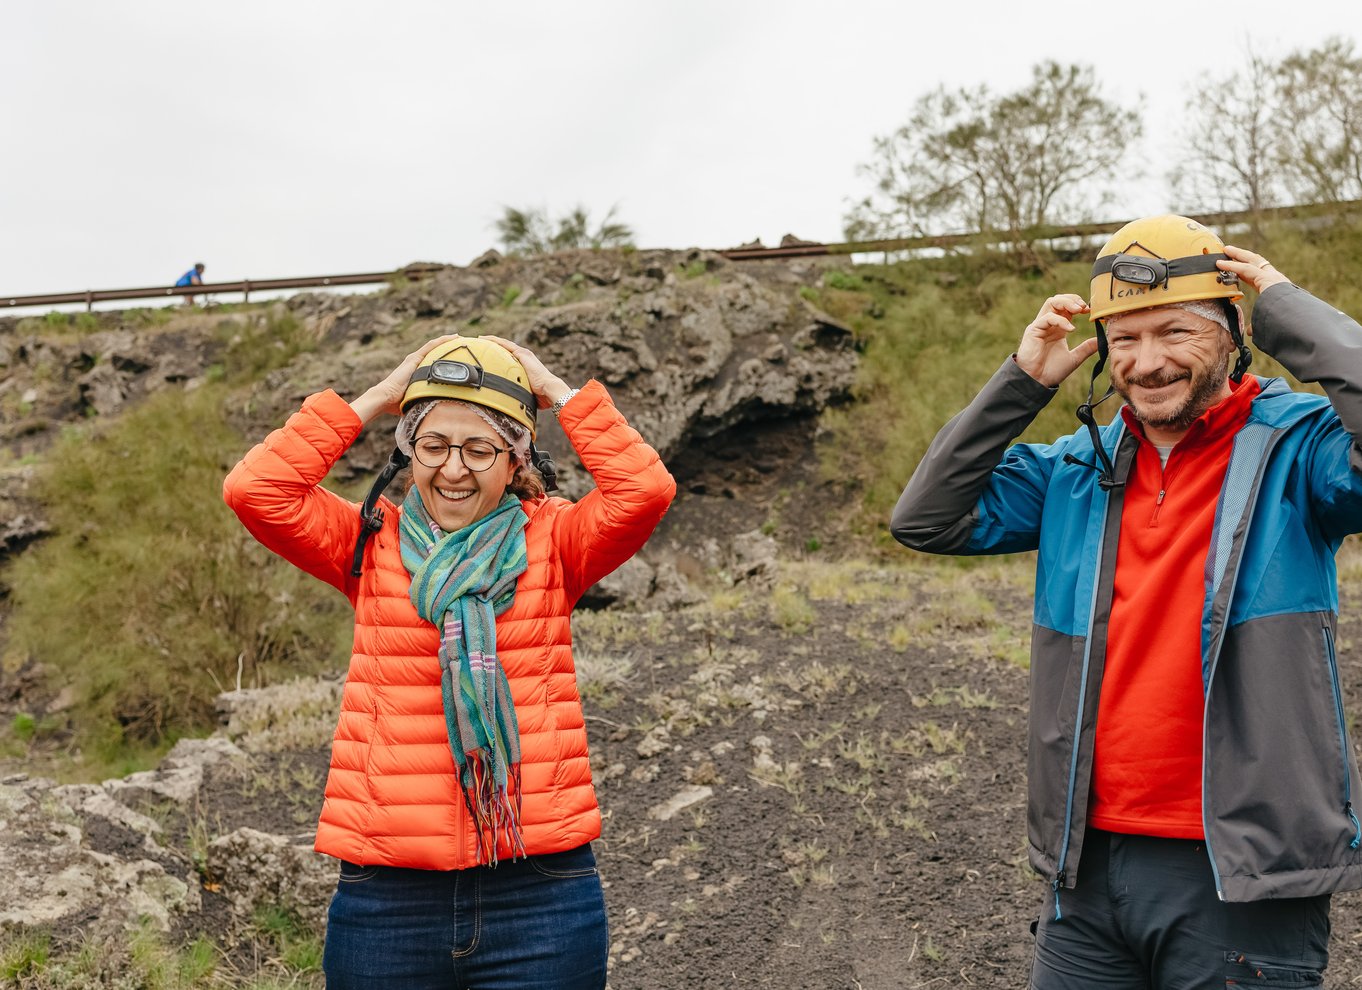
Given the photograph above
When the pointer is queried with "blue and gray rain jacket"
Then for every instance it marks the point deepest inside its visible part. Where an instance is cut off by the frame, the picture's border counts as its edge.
(1279, 774)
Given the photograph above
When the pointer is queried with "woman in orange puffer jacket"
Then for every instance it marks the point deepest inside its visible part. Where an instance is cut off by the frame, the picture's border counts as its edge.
(459, 800)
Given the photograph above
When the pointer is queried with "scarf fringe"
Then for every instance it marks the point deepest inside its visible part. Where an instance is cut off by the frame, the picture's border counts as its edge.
(495, 810)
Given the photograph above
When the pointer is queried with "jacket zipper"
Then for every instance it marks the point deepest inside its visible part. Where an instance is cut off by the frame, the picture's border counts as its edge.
(1165, 479)
(1342, 737)
(1076, 745)
(1215, 661)
(1059, 879)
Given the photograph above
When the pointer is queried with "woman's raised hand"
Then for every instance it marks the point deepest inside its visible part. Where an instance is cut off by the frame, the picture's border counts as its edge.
(386, 396)
(547, 387)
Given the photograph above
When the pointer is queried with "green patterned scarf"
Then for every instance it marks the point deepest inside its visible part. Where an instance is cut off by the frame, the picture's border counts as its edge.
(460, 583)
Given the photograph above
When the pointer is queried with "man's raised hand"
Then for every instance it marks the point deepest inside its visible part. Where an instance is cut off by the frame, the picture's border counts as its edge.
(1044, 352)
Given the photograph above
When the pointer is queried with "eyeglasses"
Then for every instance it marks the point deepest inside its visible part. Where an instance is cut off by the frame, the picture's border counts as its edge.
(476, 455)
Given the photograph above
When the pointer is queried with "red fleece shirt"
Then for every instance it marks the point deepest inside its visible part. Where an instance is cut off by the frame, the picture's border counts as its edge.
(1147, 757)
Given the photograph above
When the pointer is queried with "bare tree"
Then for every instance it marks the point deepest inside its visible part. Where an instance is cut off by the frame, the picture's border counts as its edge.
(1229, 158)
(1055, 137)
(969, 161)
(530, 231)
(1320, 150)
(932, 170)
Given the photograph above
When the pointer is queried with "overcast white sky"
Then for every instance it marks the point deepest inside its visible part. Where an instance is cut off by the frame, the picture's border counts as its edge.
(270, 138)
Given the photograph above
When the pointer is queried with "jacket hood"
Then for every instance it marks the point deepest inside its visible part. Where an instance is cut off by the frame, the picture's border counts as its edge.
(1278, 406)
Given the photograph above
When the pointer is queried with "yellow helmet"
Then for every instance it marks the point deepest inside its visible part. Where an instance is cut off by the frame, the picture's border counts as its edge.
(1157, 261)
(478, 371)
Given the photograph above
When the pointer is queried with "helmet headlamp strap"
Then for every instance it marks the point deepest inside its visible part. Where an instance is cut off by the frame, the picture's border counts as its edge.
(477, 378)
(1155, 271)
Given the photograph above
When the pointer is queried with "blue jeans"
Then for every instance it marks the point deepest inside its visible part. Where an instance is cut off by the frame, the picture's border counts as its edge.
(1145, 914)
(533, 924)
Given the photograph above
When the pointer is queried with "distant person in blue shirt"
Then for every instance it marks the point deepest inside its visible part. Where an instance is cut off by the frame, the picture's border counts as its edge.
(192, 277)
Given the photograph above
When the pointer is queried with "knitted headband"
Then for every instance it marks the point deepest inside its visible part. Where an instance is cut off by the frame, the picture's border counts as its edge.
(1204, 308)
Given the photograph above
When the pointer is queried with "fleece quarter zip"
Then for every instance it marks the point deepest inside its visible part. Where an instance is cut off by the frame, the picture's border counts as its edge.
(1148, 746)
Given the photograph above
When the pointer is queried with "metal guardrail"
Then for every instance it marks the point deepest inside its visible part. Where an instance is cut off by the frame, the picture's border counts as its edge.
(245, 286)
(1045, 233)
(798, 250)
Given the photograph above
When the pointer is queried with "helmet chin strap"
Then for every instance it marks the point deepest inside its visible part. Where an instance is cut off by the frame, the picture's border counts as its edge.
(370, 515)
(1106, 471)
(543, 463)
(1245, 358)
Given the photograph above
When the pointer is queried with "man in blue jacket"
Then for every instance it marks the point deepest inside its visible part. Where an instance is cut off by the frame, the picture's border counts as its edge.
(1190, 777)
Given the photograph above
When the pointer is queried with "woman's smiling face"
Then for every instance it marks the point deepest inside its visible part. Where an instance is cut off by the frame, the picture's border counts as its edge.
(453, 495)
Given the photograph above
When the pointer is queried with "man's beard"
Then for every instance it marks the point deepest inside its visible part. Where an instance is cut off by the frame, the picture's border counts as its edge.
(1206, 385)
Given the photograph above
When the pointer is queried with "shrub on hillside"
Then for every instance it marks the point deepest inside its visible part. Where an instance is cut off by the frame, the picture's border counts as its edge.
(938, 331)
(151, 598)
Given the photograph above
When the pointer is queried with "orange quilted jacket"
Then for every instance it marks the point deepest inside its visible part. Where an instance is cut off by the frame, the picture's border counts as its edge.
(392, 798)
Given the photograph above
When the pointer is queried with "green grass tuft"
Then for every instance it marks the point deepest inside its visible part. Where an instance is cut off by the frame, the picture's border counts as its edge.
(299, 947)
(142, 958)
(260, 342)
(23, 726)
(24, 954)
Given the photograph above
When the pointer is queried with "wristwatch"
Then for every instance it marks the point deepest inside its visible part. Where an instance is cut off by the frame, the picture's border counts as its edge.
(557, 407)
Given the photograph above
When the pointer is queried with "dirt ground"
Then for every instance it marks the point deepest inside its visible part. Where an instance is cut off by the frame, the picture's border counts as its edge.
(861, 731)
(880, 846)
(894, 855)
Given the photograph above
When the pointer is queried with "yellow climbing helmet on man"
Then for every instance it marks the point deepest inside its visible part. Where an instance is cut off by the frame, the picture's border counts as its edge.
(477, 371)
(1159, 261)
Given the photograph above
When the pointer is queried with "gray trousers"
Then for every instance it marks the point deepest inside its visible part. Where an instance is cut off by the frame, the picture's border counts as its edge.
(1145, 916)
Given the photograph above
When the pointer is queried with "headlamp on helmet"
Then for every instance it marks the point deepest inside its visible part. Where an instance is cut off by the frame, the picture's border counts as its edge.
(1149, 272)
(1144, 270)
(454, 373)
